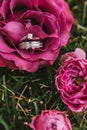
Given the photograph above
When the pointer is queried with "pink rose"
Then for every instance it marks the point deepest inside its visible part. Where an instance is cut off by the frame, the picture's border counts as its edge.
(71, 80)
(32, 32)
(51, 120)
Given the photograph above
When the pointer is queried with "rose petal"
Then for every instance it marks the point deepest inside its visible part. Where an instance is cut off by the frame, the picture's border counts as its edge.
(1, 2)
(50, 6)
(5, 8)
(34, 16)
(37, 31)
(15, 30)
(4, 47)
(2, 62)
(15, 3)
(20, 63)
(51, 25)
(78, 53)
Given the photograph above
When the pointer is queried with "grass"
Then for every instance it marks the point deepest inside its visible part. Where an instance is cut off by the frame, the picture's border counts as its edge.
(24, 95)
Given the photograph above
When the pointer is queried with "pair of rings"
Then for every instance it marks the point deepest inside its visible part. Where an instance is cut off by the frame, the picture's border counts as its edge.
(30, 45)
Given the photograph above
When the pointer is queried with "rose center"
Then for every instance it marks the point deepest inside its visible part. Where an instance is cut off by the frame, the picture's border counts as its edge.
(30, 42)
(52, 126)
(79, 80)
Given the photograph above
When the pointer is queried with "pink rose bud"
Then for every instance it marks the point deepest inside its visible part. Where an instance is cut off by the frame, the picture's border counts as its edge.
(71, 80)
(51, 120)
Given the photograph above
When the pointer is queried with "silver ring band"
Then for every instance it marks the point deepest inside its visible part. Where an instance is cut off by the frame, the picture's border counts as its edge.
(30, 45)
